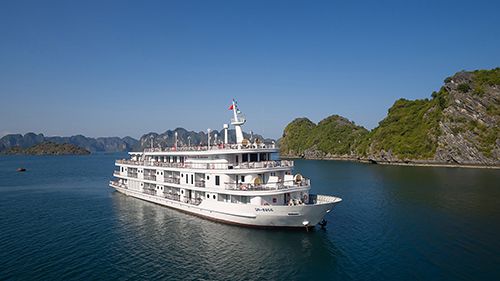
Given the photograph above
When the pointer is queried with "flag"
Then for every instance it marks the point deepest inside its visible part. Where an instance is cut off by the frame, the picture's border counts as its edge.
(231, 107)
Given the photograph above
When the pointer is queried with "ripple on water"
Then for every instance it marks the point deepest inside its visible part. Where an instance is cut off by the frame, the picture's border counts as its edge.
(59, 221)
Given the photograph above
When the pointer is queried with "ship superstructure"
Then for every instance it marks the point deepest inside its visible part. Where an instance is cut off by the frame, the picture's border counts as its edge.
(240, 183)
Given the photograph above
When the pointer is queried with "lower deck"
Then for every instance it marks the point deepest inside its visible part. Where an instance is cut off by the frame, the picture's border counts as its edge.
(195, 196)
(244, 214)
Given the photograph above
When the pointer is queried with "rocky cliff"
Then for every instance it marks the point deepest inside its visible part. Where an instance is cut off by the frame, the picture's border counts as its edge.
(458, 125)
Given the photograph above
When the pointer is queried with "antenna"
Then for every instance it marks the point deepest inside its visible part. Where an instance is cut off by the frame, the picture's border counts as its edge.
(208, 131)
(175, 139)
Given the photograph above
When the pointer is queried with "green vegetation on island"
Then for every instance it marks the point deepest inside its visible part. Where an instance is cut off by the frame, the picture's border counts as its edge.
(334, 135)
(410, 130)
(459, 124)
(48, 148)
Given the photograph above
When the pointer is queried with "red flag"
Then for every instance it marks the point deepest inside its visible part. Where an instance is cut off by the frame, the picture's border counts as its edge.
(231, 107)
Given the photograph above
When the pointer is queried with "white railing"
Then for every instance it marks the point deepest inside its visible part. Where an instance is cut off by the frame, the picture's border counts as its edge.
(272, 186)
(117, 184)
(213, 147)
(175, 197)
(172, 180)
(214, 166)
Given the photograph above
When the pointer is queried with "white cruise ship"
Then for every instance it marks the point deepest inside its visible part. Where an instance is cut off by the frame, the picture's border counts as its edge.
(238, 183)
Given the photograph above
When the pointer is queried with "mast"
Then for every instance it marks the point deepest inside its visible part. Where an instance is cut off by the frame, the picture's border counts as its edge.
(237, 121)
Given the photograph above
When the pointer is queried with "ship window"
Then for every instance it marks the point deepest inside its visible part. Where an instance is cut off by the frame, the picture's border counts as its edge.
(187, 179)
(214, 196)
(217, 180)
(242, 178)
(208, 177)
(263, 157)
(253, 157)
(192, 179)
(274, 200)
(182, 175)
(182, 191)
(237, 159)
(122, 169)
(208, 195)
(244, 158)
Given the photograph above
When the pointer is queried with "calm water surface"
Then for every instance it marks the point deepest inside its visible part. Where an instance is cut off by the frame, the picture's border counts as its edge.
(60, 221)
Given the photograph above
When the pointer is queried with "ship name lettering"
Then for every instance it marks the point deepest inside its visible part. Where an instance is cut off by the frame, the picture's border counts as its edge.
(264, 210)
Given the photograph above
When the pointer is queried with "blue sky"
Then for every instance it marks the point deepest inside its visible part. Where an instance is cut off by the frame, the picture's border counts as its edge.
(117, 68)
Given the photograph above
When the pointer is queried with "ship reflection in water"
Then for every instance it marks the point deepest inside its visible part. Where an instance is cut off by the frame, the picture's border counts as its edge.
(179, 244)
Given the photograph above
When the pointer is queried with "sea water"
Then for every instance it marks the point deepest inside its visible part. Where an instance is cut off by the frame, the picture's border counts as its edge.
(59, 220)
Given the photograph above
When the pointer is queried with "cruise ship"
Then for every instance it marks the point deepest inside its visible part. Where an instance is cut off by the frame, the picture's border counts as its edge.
(239, 183)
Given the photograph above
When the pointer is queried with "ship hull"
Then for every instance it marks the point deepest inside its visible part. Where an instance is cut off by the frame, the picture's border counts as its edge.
(298, 216)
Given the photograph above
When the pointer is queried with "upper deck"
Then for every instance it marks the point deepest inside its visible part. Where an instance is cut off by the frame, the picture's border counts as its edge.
(221, 149)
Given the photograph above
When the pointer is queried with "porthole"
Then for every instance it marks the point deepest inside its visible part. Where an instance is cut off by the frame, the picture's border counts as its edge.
(182, 191)
(208, 196)
(214, 196)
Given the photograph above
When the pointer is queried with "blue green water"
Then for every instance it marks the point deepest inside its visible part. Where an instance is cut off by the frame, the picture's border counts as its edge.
(60, 221)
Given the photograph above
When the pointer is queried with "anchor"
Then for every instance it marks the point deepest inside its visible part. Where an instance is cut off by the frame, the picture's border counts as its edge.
(323, 223)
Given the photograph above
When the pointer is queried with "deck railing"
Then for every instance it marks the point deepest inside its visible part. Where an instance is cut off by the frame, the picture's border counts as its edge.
(117, 184)
(131, 175)
(172, 180)
(250, 146)
(199, 183)
(271, 186)
(150, 177)
(213, 166)
(175, 197)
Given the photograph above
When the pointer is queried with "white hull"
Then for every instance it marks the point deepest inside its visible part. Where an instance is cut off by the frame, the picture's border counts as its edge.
(307, 215)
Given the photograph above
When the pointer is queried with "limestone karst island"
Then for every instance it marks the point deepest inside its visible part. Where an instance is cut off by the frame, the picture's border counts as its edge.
(459, 124)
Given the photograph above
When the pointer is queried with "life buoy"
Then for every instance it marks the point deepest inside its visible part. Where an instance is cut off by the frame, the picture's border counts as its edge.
(305, 198)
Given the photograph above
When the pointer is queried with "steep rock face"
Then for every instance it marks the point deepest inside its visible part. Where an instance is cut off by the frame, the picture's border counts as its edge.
(333, 137)
(410, 131)
(460, 124)
(470, 125)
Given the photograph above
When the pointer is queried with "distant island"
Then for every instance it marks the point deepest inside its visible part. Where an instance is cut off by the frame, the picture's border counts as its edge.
(116, 144)
(101, 144)
(458, 125)
(48, 148)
